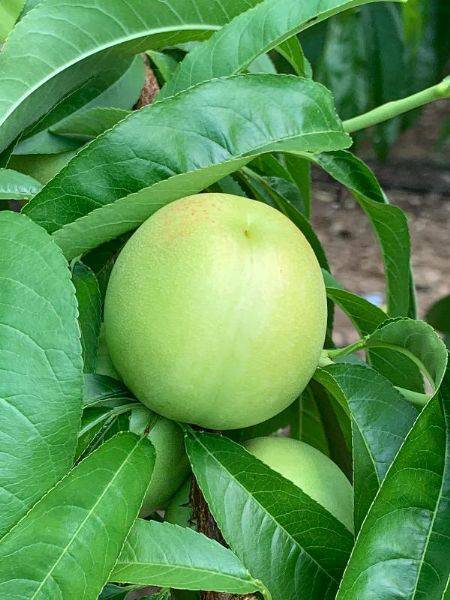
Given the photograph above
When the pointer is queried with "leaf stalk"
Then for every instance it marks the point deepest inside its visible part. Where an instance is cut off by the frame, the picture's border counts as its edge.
(390, 110)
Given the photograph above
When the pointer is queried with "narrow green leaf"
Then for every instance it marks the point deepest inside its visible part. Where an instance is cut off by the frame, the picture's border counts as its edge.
(9, 13)
(250, 34)
(403, 547)
(90, 123)
(300, 171)
(89, 313)
(311, 426)
(284, 538)
(389, 223)
(366, 317)
(381, 419)
(343, 66)
(167, 555)
(231, 121)
(418, 341)
(17, 186)
(71, 42)
(67, 544)
(383, 40)
(292, 51)
(118, 85)
(40, 364)
(438, 315)
(164, 65)
(100, 390)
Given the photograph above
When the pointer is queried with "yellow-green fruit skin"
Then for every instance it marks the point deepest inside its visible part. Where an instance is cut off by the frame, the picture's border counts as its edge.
(171, 463)
(215, 312)
(310, 470)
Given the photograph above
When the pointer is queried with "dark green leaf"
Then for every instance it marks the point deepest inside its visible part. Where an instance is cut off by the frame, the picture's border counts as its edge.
(343, 69)
(285, 539)
(230, 122)
(292, 52)
(251, 33)
(438, 315)
(99, 390)
(167, 555)
(60, 46)
(366, 317)
(89, 313)
(67, 544)
(17, 186)
(385, 66)
(88, 124)
(40, 364)
(418, 341)
(403, 547)
(389, 223)
(381, 419)
(163, 64)
(118, 85)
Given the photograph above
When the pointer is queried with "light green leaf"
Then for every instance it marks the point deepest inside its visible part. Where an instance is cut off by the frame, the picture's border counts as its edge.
(40, 364)
(404, 543)
(9, 13)
(283, 537)
(118, 85)
(17, 186)
(67, 544)
(89, 312)
(60, 46)
(167, 555)
(418, 341)
(231, 121)
(381, 419)
(254, 32)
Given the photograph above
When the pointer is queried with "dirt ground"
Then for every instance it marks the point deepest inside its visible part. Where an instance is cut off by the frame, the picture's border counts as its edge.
(416, 178)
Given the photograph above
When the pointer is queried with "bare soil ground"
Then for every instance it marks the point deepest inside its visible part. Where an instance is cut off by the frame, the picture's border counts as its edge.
(416, 177)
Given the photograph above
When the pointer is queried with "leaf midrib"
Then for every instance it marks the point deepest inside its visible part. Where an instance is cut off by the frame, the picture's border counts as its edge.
(303, 550)
(87, 517)
(118, 41)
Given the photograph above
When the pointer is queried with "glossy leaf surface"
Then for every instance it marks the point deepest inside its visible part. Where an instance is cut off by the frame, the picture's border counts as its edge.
(258, 510)
(66, 546)
(17, 186)
(71, 42)
(40, 364)
(403, 547)
(231, 121)
(167, 555)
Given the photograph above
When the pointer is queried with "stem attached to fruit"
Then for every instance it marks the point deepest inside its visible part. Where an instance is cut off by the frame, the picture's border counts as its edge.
(390, 110)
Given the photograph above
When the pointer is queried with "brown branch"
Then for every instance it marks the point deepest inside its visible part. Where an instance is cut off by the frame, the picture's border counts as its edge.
(151, 87)
(207, 525)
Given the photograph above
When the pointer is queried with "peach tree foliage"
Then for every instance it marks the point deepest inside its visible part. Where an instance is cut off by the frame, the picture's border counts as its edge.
(240, 110)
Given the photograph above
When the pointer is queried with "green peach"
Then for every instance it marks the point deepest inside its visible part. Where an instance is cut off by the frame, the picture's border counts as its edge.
(171, 463)
(310, 470)
(215, 312)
